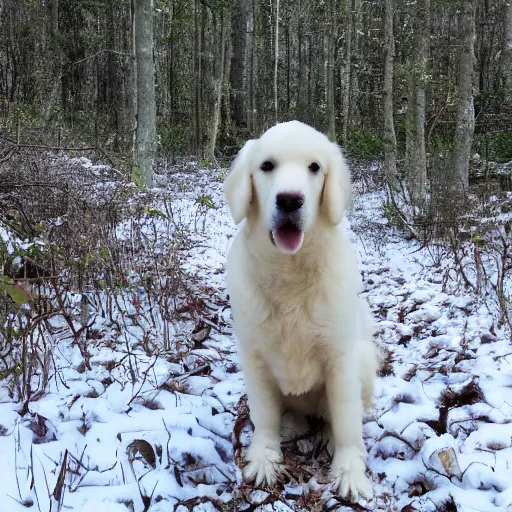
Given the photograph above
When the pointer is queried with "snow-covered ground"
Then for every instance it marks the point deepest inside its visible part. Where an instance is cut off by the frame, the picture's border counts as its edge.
(440, 437)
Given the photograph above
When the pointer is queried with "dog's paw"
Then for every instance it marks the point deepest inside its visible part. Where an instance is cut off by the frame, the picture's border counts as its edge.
(264, 459)
(349, 467)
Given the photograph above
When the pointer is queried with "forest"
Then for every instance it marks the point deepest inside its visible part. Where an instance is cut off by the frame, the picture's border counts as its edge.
(120, 386)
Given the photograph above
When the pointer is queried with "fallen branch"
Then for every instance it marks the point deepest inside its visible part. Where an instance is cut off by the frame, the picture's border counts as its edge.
(60, 148)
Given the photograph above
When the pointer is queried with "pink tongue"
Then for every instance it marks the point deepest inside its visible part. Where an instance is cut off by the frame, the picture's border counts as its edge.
(288, 238)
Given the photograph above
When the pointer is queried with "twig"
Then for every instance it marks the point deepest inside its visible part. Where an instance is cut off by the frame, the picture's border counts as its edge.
(211, 324)
(396, 436)
(115, 52)
(193, 372)
(146, 372)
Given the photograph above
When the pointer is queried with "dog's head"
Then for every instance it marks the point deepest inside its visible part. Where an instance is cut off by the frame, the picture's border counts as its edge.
(288, 179)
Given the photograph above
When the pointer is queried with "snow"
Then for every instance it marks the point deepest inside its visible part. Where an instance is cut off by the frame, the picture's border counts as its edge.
(164, 440)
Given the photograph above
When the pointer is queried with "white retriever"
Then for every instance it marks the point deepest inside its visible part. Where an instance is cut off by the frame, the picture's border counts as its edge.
(305, 337)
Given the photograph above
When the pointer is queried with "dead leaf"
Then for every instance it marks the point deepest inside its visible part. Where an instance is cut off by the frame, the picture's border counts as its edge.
(139, 448)
(450, 463)
(39, 426)
(201, 334)
(59, 486)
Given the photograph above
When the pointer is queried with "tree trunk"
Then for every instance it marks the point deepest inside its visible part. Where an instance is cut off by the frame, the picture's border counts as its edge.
(459, 172)
(507, 52)
(387, 92)
(357, 30)
(210, 151)
(54, 17)
(238, 62)
(415, 157)
(276, 61)
(288, 70)
(331, 114)
(300, 68)
(197, 81)
(250, 67)
(132, 88)
(345, 110)
(146, 106)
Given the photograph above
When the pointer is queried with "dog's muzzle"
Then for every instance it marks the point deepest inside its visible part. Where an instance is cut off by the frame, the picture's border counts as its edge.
(286, 233)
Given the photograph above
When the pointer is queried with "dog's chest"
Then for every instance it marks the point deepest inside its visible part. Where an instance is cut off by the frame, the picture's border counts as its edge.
(296, 375)
(295, 358)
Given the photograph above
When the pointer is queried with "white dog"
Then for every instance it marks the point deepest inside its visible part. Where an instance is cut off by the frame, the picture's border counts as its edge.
(305, 336)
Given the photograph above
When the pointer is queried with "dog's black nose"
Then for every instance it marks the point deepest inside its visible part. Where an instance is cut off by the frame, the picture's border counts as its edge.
(289, 202)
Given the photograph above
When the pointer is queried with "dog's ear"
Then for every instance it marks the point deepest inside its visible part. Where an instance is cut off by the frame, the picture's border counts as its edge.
(337, 192)
(238, 185)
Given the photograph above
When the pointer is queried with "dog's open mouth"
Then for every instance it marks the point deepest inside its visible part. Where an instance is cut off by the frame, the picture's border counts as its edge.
(287, 238)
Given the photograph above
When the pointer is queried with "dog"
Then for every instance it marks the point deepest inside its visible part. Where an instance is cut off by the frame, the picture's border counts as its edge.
(305, 336)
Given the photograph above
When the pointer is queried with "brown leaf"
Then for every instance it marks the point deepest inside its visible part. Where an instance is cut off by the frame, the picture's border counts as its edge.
(39, 426)
(139, 448)
(198, 336)
(409, 508)
(242, 420)
(177, 475)
(450, 463)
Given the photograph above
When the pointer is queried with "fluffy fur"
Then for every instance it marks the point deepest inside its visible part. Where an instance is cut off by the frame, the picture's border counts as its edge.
(305, 336)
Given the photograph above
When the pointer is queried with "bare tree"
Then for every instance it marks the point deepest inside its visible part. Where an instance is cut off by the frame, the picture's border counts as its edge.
(507, 52)
(330, 38)
(415, 157)
(276, 60)
(387, 92)
(237, 78)
(347, 71)
(356, 60)
(219, 85)
(250, 67)
(465, 119)
(146, 105)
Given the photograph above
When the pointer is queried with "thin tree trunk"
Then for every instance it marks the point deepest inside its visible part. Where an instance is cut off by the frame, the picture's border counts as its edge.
(210, 152)
(238, 62)
(300, 67)
(256, 63)
(276, 61)
(357, 30)
(55, 90)
(197, 127)
(459, 172)
(146, 105)
(345, 110)
(331, 130)
(309, 73)
(288, 66)
(387, 92)
(415, 157)
(250, 65)
(507, 52)
(54, 16)
(133, 89)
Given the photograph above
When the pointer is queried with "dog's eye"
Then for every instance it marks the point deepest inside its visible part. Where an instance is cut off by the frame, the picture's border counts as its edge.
(267, 166)
(314, 167)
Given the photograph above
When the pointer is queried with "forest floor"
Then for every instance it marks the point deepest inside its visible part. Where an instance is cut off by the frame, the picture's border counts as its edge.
(141, 428)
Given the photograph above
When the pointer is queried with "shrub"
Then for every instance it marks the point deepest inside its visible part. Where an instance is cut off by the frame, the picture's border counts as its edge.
(364, 144)
(494, 146)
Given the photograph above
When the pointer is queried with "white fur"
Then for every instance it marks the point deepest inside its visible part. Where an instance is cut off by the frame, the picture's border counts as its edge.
(305, 337)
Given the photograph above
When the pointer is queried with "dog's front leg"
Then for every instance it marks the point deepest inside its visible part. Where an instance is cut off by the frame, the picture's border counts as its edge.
(343, 387)
(264, 455)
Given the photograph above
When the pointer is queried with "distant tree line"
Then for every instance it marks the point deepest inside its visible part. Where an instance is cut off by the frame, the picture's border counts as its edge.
(408, 80)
